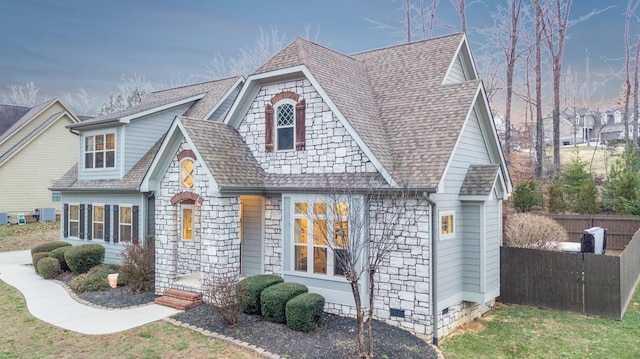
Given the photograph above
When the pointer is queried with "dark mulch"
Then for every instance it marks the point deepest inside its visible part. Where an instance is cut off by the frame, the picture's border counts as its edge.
(336, 338)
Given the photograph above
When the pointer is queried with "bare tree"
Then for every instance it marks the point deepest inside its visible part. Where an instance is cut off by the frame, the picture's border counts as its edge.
(632, 5)
(23, 95)
(461, 10)
(538, 74)
(359, 245)
(131, 92)
(80, 102)
(636, 105)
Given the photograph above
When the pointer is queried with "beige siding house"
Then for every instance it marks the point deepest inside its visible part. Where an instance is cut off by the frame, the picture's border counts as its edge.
(35, 150)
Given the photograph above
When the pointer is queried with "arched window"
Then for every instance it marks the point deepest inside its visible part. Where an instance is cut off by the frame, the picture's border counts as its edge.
(187, 174)
(285, 124)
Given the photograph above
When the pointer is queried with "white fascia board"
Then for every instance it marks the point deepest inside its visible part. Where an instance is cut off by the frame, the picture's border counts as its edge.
(127, 119)
(149, 178)
(494, 137)
(224, 97)
(464, 44)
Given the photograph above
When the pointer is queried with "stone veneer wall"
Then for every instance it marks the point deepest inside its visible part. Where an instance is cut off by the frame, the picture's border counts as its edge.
(273, 235)
(458, 315)
(215, 248)
(329, 147)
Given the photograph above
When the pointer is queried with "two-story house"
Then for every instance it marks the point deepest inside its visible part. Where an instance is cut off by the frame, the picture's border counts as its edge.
(250, 194)
(100, 195)
(28, 163)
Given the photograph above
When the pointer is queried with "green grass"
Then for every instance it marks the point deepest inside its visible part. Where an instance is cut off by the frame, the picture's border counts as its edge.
(513, 331)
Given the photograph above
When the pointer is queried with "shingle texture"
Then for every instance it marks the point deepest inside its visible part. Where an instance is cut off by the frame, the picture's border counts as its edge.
(394, 99)
(9, 115)
(26, 116)
(479, 180)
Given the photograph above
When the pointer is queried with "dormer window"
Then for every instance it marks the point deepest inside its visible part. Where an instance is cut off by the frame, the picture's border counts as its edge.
(100, 151)
(187, 174)
(285, 123)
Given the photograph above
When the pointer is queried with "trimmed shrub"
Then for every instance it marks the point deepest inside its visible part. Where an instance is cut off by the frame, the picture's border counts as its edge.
(273, 300)
(526, 230)
(95, 279)
(82, 258)
(37, 257)
(137, 264)
(250, 289)
(58, 254)
(49, 246)
(305, 312)
(49, 268)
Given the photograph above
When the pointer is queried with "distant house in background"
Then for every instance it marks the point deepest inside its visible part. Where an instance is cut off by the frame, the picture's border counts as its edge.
(35, 150)
(584, 125)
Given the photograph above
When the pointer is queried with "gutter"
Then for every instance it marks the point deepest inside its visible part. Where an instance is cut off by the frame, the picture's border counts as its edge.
(279, 190)
(433, 264)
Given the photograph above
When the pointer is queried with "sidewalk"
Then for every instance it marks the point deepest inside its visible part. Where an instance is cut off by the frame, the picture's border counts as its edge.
(51, 303)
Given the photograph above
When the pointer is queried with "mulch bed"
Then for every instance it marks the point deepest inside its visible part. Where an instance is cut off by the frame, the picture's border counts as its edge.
(335, 338)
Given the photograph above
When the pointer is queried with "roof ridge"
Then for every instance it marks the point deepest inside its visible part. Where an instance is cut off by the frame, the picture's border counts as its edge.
(407, 43)
(195, 84)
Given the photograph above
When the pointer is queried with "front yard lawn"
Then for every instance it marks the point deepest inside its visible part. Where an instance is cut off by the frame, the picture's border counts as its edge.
(513, 331)
(16, 238)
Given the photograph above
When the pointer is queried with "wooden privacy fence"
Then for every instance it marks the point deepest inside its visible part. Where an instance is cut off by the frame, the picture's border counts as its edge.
(578, 282)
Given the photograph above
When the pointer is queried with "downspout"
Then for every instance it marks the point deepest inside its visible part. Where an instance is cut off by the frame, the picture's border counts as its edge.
(433, 264)
(75, 133)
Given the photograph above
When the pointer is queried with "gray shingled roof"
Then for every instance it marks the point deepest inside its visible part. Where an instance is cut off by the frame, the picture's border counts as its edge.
(25, 118)
(224, 152)
(479, 180)
(213, 92)
(10, 114)
(361, 180)
(31, 135)
(394, 99)
(130, 182)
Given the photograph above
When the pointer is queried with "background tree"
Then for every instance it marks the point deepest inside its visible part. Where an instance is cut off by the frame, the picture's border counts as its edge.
(632, 5)
(80, 102)
(131, 92)
(23, 95)
(621, 190)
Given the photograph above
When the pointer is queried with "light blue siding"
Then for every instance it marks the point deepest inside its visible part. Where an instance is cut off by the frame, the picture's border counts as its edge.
(142, 133)
(252, 234)
(457, 73)
(451, 252)
(472, 247)
(225, 105)
(121, 199)
(493, 240)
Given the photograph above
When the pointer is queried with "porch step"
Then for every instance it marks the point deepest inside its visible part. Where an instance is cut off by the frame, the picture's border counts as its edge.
(179, 299)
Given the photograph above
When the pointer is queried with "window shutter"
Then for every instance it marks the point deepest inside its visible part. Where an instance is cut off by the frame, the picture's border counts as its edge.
(107, 222)
(65, 219)
(300, 131)
(116, 223)
(81, 222)
(268, 127)
(134, 224)
(89, 221)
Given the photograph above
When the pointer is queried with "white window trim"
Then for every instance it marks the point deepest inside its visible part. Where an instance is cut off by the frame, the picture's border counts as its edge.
(310, 199)
(441, 214)
(69, 220)
(193, 162)
(93, 221)
(275, 125)
(115, 151)
(193, 212)
(120, 224)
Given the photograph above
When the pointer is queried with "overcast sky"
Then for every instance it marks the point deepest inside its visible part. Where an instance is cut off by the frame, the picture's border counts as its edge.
(63, 45)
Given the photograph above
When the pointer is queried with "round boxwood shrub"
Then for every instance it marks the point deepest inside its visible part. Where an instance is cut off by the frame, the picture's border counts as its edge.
(37, 257)
(84, 257)
(49, 268)
(273, 300)
(305, 312)
(58, 254)
(48, 246)
(249, 290)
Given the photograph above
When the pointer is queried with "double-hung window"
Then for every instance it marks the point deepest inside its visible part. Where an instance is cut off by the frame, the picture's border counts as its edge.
(100, 151)
(74, 220)
(98, 221)
(285, 126)
(126, 221)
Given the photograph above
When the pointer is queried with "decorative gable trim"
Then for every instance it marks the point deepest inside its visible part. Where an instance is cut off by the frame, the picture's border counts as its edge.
(185, 197)
(185, 154)
(283, 95)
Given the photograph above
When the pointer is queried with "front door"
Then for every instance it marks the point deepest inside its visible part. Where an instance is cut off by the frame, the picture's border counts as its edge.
(251, 234)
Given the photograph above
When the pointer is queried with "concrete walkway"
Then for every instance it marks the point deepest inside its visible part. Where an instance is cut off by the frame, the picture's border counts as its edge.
(48, 301)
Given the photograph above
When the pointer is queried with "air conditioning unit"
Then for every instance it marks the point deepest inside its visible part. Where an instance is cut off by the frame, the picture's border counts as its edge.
(46, 214)
(4, 218)
(594, 240)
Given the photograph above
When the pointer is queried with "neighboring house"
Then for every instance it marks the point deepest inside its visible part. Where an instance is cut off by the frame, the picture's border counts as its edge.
(101, 198)
(236, 197)
(612, 125)
(35, 150)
